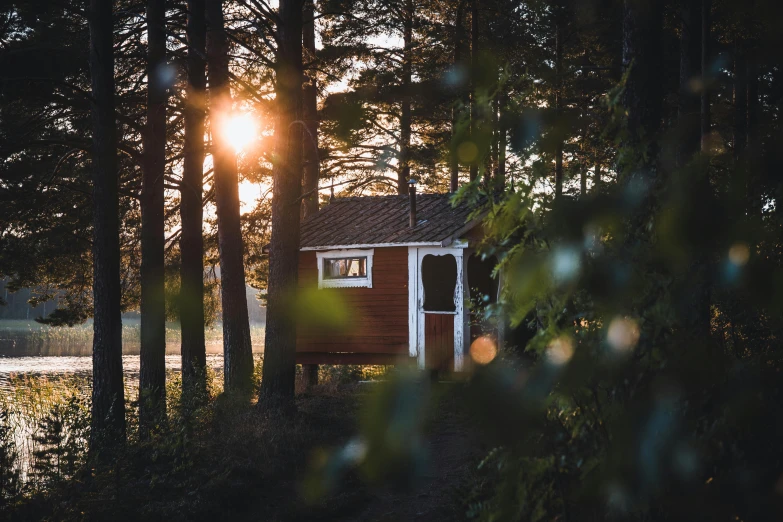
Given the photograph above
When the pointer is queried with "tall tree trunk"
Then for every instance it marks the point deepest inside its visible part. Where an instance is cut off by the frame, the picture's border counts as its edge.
(456, 109)
(689, 107)
(694, 289)
(108, 392)
(500, 178)
(310, 112)
(474, 51)
(194, 355)
(597, 177)
(405, 116)
(740, 99)
(310, 144)
(754, 166)
(152, 376)
(706, 76)
(558, 106)
(237, 351)
(642, 99)
(280, 350)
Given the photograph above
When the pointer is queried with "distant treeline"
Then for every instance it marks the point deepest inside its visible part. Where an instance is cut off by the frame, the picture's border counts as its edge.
(16, 305)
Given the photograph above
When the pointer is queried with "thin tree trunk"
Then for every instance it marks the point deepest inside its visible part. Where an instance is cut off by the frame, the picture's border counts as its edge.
(310, 111)
(500, 178)
(108, 393)
(280, 350)
(694, 290)
(152, 376)
(642, 99)
(753, 144)
(558, 108)
(583, 182)
(740, 100)
(406, 117)
(456, 109)
(597, 177)
(689, 107)
(474, 51)
(310, 144)
(194, 355)
(706, 77)
(237, 351)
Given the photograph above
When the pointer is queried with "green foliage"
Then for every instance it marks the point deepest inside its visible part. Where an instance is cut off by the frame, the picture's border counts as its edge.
(61, 442)
(10, 480)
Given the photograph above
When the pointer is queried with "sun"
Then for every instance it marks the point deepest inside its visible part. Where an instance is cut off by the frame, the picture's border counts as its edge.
(240, 131)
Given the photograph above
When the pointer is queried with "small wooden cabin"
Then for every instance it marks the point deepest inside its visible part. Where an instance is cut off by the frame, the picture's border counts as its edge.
(406, 287)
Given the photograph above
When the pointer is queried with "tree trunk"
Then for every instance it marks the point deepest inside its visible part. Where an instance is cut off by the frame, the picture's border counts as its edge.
(310, 111)
(500, 178)
(455, 111)
(558, 108)
(706, 76)
(689, 107)
(740, 100)
(694, 289)
(597, 177)
(310, 144)
(474, 50)
(405, 117)
(194, 355)
(642, 99)
(280, 350)
(108, 393)
(152, 376)
(237, 351)
(754, 164)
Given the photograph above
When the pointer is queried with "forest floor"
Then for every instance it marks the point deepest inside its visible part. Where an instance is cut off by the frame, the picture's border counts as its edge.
(248, 465)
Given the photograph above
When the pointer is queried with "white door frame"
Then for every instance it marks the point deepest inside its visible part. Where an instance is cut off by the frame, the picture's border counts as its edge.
(416, 346)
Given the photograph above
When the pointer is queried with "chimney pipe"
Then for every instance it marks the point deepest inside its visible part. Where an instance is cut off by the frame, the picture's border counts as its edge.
(412, 199)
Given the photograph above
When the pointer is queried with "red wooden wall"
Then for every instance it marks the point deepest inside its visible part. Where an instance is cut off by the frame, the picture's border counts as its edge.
(376, 329)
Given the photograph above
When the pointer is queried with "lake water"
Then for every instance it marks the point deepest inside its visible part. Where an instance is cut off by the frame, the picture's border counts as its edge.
(29, 348)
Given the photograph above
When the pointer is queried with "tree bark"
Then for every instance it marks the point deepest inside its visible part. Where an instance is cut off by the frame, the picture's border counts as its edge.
(279, 374)
(455, 111)
(753, 141)
(194, 355)
(405, 109)
(500, 178)
(310, 144)
(597, 177)
(740, 100)
(108, 392)
(310, 111)
(706, 77)
(152, 376)
(237, 351)
(689, 107)
(694, 289)
(474, 50)
(558, 107)
(642, 99)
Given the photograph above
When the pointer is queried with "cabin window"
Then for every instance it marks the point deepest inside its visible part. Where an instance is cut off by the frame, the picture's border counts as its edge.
(345, 269)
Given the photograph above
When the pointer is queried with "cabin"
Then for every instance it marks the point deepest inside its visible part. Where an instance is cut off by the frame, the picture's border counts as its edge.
(404, 267)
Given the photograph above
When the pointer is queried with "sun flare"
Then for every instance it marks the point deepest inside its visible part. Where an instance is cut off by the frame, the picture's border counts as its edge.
(240, 131)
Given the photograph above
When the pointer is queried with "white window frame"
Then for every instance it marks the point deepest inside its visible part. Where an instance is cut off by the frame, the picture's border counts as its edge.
(348, 282)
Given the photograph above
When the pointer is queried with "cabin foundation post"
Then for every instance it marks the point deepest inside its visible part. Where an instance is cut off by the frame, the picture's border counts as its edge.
(309, 375)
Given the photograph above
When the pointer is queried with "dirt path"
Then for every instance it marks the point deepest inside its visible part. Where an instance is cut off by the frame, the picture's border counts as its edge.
(440, 492)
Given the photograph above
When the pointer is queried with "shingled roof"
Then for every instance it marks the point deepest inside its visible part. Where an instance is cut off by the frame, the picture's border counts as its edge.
(377, 220)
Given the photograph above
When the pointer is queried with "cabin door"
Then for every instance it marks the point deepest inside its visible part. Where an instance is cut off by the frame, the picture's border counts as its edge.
(439, 318)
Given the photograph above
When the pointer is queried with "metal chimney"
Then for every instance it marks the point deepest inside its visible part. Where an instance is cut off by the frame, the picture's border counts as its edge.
(412, 199)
